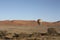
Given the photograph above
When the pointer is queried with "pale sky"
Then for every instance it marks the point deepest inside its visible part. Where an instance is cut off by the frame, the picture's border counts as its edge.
(47, 10)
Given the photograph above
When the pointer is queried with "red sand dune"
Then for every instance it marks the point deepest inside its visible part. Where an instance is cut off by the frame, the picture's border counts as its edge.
(29, 23)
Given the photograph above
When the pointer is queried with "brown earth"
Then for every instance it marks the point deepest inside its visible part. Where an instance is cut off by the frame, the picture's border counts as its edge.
(28, 25)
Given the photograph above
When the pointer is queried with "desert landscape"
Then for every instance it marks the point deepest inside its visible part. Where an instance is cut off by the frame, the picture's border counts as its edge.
(29, 19)
(29, 30)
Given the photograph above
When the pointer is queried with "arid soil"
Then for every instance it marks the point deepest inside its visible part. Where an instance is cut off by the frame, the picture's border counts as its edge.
(29, 30)
(28, 26)
(28, 23)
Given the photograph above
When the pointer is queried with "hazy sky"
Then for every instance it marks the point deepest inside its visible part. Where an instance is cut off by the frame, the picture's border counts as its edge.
(47, 10)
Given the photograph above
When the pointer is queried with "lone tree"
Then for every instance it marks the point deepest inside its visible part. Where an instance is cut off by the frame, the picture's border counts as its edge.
(52, 31)
(39, 21)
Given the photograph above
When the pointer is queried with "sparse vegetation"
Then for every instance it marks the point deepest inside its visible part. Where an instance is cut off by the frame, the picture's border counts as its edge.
(4, 35)
(52, 31)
